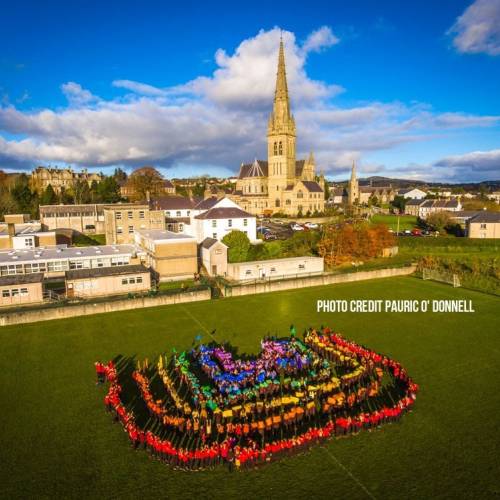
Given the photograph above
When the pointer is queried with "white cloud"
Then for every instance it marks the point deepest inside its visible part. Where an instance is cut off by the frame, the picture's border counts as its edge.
(319, 40)
(478, 28)
(139, 88)
(76, 94)
(216, 122)
(477, 160)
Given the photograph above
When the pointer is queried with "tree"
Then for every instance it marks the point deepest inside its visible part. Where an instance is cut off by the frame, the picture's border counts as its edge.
(238, 246)
(49, 196)
(327, 190)
(23, 197)
(399, 202)
(109, 190)
(439, 221)
(120, 175)
(147, 182)
(66, 196)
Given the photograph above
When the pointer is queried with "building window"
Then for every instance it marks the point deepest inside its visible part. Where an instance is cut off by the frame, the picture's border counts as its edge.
(483, 226)
(131, 229)
(167, 213)
(5, 293)
(178, 213)
(14, 292)
(214, 236)
(141, 214)
(248, 272)
(302, 266)
(131, 281)
(130, 214)
(230, 223)
(245, 222)
(273, 269)
(300, 194)
(214, 223)
(188, 212)
(138, 279)
(277, 203)
(118, 215)
(24, 291)
(275, 148)
(28, 242)
(181, 227)
(288, 202)
(280, 148)
(119, 230)
(124, 281)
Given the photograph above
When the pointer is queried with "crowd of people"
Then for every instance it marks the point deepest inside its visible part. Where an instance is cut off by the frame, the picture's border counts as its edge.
(263, 427)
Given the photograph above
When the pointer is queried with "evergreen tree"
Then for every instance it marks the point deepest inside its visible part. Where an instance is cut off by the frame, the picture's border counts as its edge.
(49, 196)
(109, 190)
(238, 246)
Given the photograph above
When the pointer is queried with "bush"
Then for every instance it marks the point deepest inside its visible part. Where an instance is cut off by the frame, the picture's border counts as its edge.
(238, 246)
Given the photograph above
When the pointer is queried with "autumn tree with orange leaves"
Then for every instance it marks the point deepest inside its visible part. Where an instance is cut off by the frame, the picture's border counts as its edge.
(352, 242)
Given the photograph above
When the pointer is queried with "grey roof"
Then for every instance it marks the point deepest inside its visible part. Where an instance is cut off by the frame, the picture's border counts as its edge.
(61, 252)
(208, 242)
(162, 234)
(21, 279)
(206, 204)
(312, 186)
(105, 271)
(246, 168)
(224, 213)
(414, 202)
(339, 191)
(428, 203)
(486, 217)
(299, 167)
(172, 203)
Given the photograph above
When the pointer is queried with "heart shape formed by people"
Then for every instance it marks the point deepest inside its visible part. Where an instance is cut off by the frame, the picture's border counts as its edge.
(200, 408)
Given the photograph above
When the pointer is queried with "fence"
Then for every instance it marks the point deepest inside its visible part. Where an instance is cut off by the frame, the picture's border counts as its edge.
(65, 309)
(270, 285)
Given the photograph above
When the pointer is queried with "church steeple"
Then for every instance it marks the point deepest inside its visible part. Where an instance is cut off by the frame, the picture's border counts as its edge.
(353, 191)
(281, 133)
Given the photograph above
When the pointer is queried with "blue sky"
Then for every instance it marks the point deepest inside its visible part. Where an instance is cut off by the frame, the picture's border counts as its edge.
(406, 89)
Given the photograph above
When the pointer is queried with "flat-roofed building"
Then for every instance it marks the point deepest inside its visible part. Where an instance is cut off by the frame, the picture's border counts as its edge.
(105, 281)
(484, 225)
(26, 235)
(173, 256)
(54, 261)
(21, 290)
(83, 218)
(121, 222)
(16, 218)
(275, 268)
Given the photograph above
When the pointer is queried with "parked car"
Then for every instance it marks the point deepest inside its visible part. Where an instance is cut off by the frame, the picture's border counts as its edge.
(296, 227)
(311, 225)
(263, 230)
(270, 236)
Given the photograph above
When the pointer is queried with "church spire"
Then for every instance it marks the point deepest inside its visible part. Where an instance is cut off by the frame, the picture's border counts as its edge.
(353, 171)
(281, 84)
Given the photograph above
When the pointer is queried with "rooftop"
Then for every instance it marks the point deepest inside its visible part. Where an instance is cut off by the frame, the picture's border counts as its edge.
(224, 213)
(486, 217)
(63, 252)
(105, 271)
(172, 203)
(162, 235)
(21, 279)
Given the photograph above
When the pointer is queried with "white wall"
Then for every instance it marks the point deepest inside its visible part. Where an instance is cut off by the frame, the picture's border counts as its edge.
(415, 194)
(275, 268)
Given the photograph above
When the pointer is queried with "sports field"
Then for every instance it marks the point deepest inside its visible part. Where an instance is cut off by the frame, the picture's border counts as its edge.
(56, 439)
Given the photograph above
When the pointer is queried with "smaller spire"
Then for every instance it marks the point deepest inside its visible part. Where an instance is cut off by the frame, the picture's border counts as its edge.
(353, 171)
(311, 158)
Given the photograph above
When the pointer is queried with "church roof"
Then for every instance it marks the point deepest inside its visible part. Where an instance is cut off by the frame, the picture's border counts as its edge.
(299, 167)
(259, 168)
(312, 186)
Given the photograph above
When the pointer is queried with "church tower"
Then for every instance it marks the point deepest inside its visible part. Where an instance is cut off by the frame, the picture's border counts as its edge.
(353, 188)
(281, 138)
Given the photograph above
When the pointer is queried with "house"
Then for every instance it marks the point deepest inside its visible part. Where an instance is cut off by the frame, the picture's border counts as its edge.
(213, 254)
(25, 235)
(21, 290)
(338, 196)
(177, 210)
(99, 282)
(214, 218)
(495, 196)
(60, 178)
(412, 194)
(484, 225)
(121, 222)
(423, 208)
(172, 256)
(275, 268)
(16, 218)
(54, 261)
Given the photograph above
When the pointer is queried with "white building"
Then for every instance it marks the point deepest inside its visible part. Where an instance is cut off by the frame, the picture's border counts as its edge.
(412, 194)
(214, 218)
(54, 261)
(275, 268)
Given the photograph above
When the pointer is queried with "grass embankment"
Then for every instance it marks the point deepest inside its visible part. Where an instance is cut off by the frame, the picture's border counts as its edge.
(405, 221)
(57, 441)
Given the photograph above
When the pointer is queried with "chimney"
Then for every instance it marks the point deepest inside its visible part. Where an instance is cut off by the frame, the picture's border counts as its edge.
(11, 230)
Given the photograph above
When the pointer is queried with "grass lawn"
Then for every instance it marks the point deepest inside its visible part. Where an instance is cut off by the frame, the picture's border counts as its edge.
(86, 240)
(405, 221)
(56, 439)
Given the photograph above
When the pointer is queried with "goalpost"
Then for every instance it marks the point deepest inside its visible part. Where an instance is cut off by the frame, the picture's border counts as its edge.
(442, 276)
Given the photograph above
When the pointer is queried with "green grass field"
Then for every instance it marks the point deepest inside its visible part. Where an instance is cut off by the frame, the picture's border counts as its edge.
(57, 441)
(391, 221)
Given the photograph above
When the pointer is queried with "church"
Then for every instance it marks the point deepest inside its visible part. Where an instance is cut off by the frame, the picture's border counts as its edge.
(282, 184)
